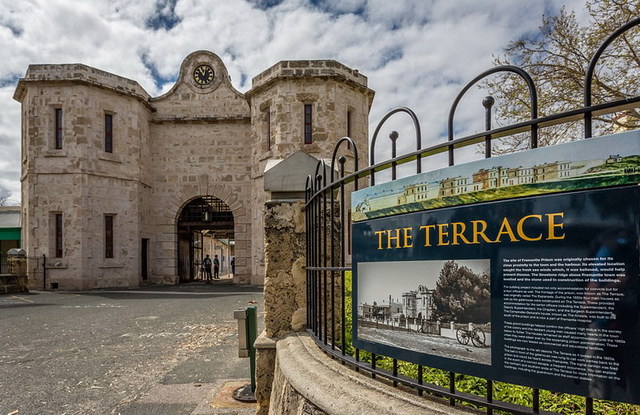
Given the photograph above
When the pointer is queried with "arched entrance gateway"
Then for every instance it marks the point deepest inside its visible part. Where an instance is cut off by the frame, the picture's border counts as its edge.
(186, 175)
(205, 227)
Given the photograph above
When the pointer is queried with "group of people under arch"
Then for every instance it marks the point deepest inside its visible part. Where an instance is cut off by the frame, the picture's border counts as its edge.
(214, 263)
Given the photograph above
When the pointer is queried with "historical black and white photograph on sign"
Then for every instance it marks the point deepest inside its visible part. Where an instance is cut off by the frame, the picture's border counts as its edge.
(438, 307)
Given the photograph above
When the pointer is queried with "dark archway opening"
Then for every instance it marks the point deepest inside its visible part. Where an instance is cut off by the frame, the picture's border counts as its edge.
(205, 227)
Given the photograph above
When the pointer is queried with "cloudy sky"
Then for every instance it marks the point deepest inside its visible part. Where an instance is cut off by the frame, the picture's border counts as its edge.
(416, 53)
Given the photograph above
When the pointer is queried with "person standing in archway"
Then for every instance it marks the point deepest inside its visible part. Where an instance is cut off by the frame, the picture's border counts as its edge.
(207, 268)
(216, 267)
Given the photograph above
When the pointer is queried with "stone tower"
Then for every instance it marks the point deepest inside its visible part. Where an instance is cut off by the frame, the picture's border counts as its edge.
(71, 185)
(304, 106)
(120, 188)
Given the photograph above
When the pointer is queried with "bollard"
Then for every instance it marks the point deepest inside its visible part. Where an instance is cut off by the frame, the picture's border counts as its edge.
(247, 333)
(252, 334)
(243, 344)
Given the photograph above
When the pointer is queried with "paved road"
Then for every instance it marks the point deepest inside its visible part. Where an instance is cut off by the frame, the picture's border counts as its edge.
(153, 350)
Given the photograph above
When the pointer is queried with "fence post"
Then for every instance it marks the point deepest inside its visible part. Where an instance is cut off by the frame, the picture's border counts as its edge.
(247, 333)
(252, 333)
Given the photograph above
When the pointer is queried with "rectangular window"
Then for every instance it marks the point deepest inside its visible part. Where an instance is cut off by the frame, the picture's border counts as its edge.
(268, 127)
(108, 236)
(349, 117)
(58, 235)
(58, 128)
(307, 124)
(108, 133)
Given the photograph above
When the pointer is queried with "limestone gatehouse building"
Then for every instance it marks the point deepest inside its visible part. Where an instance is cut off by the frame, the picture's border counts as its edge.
(121, 189)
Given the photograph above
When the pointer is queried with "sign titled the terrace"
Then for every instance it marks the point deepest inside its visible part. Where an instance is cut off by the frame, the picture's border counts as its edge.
(471, 233)
(522, 268)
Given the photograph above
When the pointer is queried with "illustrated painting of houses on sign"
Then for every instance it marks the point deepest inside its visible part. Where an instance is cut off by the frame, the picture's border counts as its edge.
(515, 175)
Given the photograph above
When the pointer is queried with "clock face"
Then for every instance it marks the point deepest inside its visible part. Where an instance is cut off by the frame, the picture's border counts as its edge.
(203, 75)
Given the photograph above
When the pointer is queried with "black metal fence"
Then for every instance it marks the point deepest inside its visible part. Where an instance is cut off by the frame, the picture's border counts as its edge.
(36, 270)
(328, 299)
(4, 264)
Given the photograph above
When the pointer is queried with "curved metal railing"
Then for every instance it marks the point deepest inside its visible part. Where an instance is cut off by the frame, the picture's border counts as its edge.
(327, 217)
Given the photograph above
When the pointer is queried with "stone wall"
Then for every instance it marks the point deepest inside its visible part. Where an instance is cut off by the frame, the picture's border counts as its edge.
(306, 381)
(277, 100)
(340, 100)
(182, 171)
(198, 139)
(284, 288)
(81, 181)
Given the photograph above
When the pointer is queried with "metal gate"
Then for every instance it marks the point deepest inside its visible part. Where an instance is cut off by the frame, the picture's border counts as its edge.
(327, 224)
(206, 214)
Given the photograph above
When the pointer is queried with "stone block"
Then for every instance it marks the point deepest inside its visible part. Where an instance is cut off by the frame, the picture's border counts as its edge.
(265, 365)
(299, 319)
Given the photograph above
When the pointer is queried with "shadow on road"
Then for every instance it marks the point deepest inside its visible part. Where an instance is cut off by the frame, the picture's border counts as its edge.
(24, 305)
(198, 289)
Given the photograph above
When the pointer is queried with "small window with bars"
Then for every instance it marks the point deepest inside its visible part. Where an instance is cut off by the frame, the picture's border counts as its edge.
(308, 124)
(58, 128)
(58, 235)
(349, 124)
(108, 236)
(108, 133)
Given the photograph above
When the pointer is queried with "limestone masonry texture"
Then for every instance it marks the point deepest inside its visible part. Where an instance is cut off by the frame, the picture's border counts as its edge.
(284, 291)
(194, 141)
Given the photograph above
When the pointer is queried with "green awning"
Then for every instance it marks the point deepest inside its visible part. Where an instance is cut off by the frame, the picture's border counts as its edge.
(9, 234)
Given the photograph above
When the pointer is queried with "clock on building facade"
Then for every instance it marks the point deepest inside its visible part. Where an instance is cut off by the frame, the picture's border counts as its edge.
(203, 75)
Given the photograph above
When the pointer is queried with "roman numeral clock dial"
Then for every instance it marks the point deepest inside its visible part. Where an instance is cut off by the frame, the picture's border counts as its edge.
(203, 75)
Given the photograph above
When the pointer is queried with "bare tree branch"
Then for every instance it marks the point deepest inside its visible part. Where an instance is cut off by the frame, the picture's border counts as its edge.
(557, 60)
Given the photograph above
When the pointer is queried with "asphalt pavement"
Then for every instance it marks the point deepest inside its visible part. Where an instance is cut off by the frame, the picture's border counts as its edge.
(143, 351)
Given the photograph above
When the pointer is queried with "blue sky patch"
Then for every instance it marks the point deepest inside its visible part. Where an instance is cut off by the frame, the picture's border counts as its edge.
(9, 80)
(357, 9)
(15, 30)
(390, 55)
(266, 4)
(165, 16)
(158, 79)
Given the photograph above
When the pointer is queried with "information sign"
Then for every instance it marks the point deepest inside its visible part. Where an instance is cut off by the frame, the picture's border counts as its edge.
(536, 290)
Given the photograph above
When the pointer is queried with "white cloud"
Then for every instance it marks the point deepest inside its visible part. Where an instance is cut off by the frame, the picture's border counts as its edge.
(416, 53)
(9, 145)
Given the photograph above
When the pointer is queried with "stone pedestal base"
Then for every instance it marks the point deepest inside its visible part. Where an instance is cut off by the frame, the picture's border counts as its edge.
(265, 365)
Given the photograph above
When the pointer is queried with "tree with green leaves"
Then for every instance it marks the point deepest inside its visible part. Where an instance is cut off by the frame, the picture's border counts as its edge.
(557, 59)
(462, 295)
